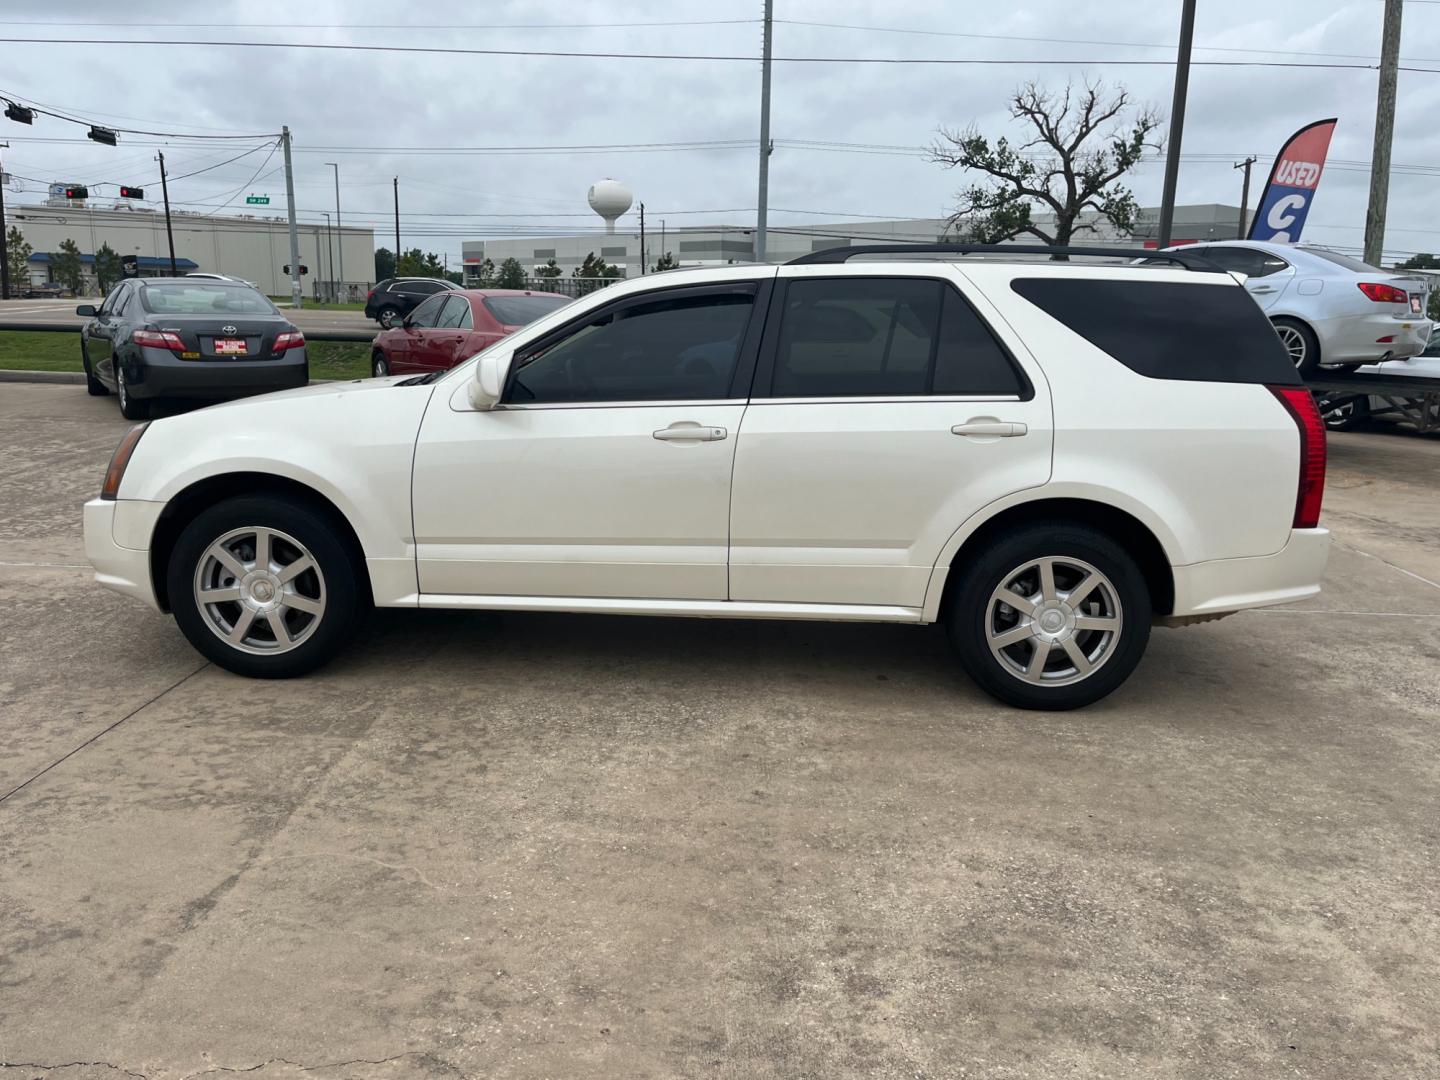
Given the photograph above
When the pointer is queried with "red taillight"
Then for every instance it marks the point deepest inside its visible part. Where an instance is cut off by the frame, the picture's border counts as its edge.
(369, 294)
(1311, 488)
(1384, 294)
(159, 339)
(290, 339)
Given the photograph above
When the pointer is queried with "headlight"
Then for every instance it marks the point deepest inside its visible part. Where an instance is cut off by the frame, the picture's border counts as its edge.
(121, 459)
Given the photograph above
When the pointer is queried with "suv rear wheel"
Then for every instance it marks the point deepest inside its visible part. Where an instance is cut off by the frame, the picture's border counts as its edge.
(1050, 617)
(262, 586)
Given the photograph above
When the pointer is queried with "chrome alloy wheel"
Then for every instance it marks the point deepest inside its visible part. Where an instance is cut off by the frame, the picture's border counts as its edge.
(260, 591)
(1053, 621)
(1294, 343)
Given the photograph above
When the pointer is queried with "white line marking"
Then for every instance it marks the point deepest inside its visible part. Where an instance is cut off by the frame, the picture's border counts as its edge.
(60, 565)
(1387, 562)
(1332, 611)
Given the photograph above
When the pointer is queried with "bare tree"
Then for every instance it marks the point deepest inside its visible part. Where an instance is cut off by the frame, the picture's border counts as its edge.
(1082, 145)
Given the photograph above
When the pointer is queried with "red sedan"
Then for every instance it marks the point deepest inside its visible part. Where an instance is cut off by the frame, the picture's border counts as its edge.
(455, 325)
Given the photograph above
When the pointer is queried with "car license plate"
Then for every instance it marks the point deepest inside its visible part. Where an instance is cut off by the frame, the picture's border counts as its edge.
(1414, 304)
(229, 346)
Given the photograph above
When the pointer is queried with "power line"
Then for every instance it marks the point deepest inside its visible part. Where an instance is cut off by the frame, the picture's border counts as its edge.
(565, 54)
(222, 164)
(390, 26)
(128, 131)
(1087, 41)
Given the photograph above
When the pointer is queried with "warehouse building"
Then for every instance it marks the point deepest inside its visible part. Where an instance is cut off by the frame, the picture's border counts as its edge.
(246, 246)
(718, 245)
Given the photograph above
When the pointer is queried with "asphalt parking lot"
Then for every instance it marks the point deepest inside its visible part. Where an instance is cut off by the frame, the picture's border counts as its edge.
(563, 846)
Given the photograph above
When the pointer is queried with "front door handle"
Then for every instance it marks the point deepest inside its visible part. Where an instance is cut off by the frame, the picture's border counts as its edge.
(689, 431)
(994, 429)
(1262, 289)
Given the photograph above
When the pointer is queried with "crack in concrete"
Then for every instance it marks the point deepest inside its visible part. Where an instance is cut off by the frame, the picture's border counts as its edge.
(69, 1065)
(305, 1068)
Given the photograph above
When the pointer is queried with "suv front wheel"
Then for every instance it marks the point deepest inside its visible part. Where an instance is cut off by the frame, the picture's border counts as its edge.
(1050, 617)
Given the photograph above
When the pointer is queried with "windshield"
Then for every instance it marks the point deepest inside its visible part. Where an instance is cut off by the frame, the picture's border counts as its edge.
(1348, 262)
(522, 310)
(203, 298)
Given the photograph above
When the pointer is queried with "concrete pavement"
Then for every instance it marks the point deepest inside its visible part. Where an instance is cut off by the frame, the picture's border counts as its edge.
(558, 846)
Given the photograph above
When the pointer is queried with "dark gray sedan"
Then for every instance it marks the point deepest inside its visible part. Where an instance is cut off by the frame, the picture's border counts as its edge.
(185, 338)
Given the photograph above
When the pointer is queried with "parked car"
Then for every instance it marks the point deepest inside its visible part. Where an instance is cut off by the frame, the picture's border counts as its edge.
(453, 326)
(1045, 457)
(182, 337)
(394, 298)
(1330, 310)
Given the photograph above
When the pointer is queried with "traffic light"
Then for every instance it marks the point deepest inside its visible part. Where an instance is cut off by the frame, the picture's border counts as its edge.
(286, 269)
(77, 192)
(304, 269)
(20, 114)
(131, 192)
(101, 135)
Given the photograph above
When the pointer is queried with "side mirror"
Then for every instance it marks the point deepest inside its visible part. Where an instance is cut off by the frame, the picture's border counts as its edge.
(489, 381)
(88, 310)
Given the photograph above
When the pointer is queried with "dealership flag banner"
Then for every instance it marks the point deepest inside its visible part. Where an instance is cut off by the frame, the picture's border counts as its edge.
(1291, 187)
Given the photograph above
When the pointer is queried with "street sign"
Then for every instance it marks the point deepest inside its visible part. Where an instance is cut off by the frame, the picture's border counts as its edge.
(257, 200)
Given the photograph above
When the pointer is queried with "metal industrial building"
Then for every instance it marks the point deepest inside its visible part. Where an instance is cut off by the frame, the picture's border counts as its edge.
(246, 246)
(712, 245)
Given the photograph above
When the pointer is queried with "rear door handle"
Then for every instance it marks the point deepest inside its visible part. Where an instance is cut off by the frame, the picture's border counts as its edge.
(1263, 289)
(686, 431)
(994, 429)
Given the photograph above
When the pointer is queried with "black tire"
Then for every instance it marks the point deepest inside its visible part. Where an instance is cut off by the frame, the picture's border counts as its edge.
(387, 315)
(1300, 342)
(93, 386)
(379, 366)
(337, 582)
(1115, 654)
(1345, 414)
(131, 407)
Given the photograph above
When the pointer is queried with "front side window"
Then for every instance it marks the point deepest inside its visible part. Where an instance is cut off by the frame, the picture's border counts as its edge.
(114, 301)
(679, 349)
(886, 337)
(427, 314)
(456, 314)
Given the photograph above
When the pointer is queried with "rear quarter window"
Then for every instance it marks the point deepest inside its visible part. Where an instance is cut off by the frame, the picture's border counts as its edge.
(1168, 329)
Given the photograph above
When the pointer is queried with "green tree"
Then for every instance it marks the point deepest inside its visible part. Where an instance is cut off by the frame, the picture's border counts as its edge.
(1425, 261)
(593, 267)
(511, 276)
(108, 268)
(417, 263)
(66, 267)
(666, 262)
(384, 264)
(1071, 163)
(18, 252)
(484, 276)
(550, 270)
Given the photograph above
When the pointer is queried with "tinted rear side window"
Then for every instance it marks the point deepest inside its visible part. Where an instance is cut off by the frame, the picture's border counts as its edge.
(886, 337)
(1168, 329)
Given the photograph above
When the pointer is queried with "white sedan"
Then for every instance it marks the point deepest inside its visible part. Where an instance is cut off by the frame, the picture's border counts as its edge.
(1330, 310)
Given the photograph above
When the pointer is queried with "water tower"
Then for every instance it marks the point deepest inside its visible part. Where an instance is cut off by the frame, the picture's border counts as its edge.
(610, 198)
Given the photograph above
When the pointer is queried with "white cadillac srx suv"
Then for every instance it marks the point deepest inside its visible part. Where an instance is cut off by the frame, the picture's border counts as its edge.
(1047, 457)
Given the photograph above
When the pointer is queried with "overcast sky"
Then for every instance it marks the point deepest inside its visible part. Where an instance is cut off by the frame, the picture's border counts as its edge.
(372, 103)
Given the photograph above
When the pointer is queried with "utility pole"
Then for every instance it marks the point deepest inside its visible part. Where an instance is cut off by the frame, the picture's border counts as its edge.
(397, 226)
(763, 198)
(643, 260)
(1244, 196)
(169, 233)
(4, 243)
(330, 249)
(296, 298)
(339, 234)
(1177, 123)
(1384, 134)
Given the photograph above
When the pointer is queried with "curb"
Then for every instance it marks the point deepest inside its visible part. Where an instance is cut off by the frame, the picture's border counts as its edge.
(43, 376)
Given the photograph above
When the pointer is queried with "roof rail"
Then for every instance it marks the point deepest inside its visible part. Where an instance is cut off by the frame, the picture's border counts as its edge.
(845, 254)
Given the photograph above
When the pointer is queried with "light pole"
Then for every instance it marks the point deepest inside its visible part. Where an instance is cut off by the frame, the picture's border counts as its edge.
(330, 249)
(339, 236)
